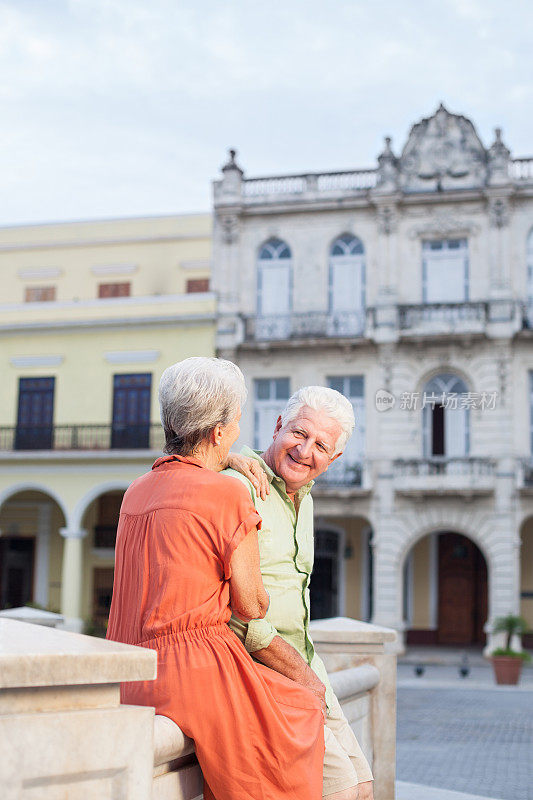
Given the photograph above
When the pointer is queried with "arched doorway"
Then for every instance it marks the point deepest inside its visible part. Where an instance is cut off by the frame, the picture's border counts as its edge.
(526, 579)
(31, 549)
(445, 591)
(101, 521)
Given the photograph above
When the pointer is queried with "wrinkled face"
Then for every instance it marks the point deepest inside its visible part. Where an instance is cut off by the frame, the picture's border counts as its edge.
(303, 448)
(228, 435)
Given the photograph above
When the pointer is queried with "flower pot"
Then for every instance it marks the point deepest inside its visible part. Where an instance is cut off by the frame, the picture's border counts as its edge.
(507, 669)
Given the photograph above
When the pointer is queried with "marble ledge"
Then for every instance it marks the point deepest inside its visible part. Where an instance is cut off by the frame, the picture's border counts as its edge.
(343, 630)
(33, 655)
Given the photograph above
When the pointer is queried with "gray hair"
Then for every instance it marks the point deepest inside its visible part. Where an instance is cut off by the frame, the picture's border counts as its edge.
(331, 402)
(195, 395)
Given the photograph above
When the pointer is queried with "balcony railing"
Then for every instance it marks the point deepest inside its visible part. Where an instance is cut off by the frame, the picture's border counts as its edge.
(521, 169)
(442, 316)
(342, 474)
(440, 475)
(442, 465)
(315, 324)
(82, 437)
(322, 184)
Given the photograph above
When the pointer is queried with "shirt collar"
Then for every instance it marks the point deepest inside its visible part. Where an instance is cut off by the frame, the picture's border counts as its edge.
(195, 462)
(271, 475)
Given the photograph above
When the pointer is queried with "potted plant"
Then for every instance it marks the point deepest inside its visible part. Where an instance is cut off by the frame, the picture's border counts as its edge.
(507, 663)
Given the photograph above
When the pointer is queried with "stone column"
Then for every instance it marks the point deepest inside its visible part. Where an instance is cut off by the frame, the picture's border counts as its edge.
(42, 560)
(72, 578)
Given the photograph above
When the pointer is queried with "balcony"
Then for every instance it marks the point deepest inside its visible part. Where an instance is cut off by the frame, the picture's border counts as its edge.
(94, 438)
(314, 325)
(426, 319)
(340, 474)
(439, 475)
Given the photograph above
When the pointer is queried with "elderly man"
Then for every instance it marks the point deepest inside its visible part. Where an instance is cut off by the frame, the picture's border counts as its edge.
(310, 434)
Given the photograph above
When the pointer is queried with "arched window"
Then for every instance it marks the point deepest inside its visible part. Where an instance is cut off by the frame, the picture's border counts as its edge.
(346, 286)
(274, 290)
(445, 418)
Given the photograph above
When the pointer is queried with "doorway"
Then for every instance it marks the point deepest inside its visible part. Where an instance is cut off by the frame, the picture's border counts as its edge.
(17, 559)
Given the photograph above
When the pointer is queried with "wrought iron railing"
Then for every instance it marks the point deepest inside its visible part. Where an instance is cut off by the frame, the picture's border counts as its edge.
(442, 465)
(414, 316)
(342, 474)
(315, 324)
(82, 437)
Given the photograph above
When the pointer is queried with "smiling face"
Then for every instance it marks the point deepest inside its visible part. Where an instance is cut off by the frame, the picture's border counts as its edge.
(303, 448)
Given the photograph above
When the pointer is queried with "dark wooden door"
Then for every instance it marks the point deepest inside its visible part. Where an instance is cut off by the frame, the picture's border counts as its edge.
(324, 587)
(131, 411)
(17, 554)
(35, 414)
(462, 591)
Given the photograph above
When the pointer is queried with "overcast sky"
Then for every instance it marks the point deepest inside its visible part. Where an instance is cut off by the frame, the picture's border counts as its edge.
(116, 108)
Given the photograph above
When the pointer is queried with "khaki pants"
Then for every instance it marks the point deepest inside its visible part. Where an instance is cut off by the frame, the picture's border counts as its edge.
(344, 763)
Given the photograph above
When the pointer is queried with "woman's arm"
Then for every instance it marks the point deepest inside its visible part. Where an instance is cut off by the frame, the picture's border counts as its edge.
(248, 597)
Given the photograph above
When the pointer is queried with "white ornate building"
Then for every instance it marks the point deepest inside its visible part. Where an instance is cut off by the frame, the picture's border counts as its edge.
(406, 286)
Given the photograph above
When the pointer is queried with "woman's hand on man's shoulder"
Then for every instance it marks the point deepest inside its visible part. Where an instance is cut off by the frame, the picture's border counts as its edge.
(251, 469)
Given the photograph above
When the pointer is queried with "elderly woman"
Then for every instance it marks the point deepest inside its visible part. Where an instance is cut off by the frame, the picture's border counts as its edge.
(186, 557)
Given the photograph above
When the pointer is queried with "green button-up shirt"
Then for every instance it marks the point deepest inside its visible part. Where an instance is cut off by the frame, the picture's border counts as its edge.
(286, 547)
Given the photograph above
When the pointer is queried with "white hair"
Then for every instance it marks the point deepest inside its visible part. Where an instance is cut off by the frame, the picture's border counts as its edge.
(331, 402)
(195, 395)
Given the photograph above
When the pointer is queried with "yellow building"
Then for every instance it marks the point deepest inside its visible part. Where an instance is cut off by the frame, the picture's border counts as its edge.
(91, 314)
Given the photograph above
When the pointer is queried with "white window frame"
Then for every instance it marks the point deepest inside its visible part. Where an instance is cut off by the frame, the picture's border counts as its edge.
(428, 254)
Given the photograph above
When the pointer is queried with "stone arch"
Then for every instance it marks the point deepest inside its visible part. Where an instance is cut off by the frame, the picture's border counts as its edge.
(489, 532)
(443, 369)
(102, 488)
(30, 486)
(32, 517)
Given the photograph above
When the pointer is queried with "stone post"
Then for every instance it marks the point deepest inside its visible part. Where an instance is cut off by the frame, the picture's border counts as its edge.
(347, 643)
(72, 578)
(63, 732)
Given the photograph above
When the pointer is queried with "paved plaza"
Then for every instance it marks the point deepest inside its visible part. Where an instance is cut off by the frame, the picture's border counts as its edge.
(464, 735)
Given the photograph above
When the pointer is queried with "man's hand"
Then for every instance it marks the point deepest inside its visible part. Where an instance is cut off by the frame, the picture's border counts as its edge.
(252, 470)
(282, 657)
(366, 790)
(312, 682)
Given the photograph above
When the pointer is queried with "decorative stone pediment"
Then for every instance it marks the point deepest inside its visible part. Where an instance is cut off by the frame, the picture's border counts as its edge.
(442, 153)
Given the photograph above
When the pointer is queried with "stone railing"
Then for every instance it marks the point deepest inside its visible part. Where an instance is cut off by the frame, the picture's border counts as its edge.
(444, 317)
(63, 732)
(521, 170)
(314, 324)
(322, 184)
(62, 728)
(363, 676)
(444, 475)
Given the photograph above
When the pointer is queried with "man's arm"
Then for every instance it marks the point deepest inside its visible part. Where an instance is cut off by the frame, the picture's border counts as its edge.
(280, 656)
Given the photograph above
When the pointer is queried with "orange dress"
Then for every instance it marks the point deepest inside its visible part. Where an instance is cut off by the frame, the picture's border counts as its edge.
(258, 735)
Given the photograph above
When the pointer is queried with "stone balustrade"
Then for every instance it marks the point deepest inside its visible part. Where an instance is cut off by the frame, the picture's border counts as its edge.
(63, 732)
(62, 728)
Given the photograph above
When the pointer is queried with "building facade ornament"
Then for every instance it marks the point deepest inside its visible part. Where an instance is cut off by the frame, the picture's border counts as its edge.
(499, 212)
(387, 219)
(499, 160)
(387, 180)
(443, 152)
(443, 222)
(229, 224)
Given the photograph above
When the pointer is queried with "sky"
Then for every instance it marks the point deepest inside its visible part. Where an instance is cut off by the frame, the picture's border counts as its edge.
(118, 108)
